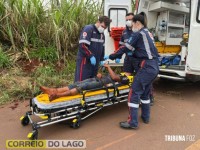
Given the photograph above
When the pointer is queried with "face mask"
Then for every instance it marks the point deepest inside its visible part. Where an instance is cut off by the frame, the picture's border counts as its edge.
(100, 29)
(135, 29)
(129, 23)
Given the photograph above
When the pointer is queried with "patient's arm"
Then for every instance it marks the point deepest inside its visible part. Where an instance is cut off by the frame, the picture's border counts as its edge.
(113, 75)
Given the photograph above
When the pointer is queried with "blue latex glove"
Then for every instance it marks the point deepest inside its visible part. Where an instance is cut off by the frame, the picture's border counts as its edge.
(93, 60)
(117, 60)
(130, 53)
(106, 57)
(101, 63)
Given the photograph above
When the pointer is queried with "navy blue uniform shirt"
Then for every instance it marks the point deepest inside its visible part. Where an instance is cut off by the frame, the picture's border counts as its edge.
(94, 41)
(141, 44)
(125, 36)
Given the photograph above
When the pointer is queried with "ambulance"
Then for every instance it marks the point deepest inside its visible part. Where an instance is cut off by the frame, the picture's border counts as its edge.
(175, 25)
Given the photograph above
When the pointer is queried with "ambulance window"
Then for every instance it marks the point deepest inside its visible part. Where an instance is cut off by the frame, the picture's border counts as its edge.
(118, 17)
(198, 12)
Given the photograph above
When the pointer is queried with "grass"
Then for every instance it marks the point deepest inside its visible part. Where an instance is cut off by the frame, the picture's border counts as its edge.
(15, 84)
(29, 25)
(44, 54)
(30, 31)
(5, 61)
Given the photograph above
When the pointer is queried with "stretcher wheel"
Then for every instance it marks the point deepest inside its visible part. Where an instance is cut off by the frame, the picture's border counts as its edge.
(75, 124)
(24, 120)
(33, 135)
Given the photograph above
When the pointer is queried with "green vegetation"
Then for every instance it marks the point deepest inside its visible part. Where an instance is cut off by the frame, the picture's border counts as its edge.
(44, 54)
(15, 84)
(39, 44)
(5, 61)
(27, 24)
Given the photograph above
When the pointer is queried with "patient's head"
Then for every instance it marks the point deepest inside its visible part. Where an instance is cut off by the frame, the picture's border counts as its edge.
(99, 75)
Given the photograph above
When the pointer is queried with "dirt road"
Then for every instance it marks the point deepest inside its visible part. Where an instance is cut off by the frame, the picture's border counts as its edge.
(176, 112)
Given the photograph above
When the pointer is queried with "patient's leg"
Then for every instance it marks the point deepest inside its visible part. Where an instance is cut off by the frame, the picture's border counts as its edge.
(51, 91)
(63, 89)
(71, 92)
(47, 90)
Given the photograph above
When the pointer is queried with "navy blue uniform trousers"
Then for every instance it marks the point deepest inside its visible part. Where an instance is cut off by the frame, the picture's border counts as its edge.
(140, 91)
(84, 69)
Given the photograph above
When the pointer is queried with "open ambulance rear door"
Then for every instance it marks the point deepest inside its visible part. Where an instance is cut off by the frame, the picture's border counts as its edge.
(171, 19)
(193, 57)
(115, 10)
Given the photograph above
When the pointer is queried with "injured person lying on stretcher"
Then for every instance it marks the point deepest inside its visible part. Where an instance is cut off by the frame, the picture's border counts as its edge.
(87, 84)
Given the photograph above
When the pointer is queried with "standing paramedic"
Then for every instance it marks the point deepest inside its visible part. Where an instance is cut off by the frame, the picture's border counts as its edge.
(126, 34)
(91, 49)
(144, 50)
(130, 63)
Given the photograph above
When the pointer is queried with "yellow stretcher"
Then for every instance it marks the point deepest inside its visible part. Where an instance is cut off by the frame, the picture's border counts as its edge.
(72, 108)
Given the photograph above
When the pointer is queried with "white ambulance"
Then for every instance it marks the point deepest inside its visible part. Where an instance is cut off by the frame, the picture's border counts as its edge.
(175, 25)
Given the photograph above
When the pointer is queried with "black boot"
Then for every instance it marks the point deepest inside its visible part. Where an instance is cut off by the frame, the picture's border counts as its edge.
(126, 125)
(144, 120)
(145, 113)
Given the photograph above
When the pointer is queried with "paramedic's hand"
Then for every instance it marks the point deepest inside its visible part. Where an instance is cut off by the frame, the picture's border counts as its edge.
(102, 63)
(106, 57)
(117, 60)
(93, 60)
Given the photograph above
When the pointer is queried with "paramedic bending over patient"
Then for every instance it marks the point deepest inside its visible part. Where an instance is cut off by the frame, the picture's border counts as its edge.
(142, 46)
(91, 49)
(88, 84)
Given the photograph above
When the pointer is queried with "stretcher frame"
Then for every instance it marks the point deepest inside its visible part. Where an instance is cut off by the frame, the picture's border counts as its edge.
(73, 113)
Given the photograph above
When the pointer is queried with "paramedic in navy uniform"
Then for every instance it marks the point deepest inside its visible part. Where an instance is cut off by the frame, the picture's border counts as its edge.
(144, 50)
(130, 63)
(91, 49)
(128, 60)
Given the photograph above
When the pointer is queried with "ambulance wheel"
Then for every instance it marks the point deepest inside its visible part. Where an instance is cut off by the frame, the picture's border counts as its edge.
(75, 124)
(24, 120)
(33, 135)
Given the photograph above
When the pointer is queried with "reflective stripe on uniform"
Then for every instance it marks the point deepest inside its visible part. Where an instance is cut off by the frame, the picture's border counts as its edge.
(126, 40)
(151, 36)
(84, 41)
(133, 105)
(121, 43)
(145, 101)
(97, 40)
(129, 47)
(146, 44)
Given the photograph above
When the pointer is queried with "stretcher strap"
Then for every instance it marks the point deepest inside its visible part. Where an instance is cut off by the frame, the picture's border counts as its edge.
(116, 90)
(83, 101)
(107, 92)
(106, 88)
(115, 87)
